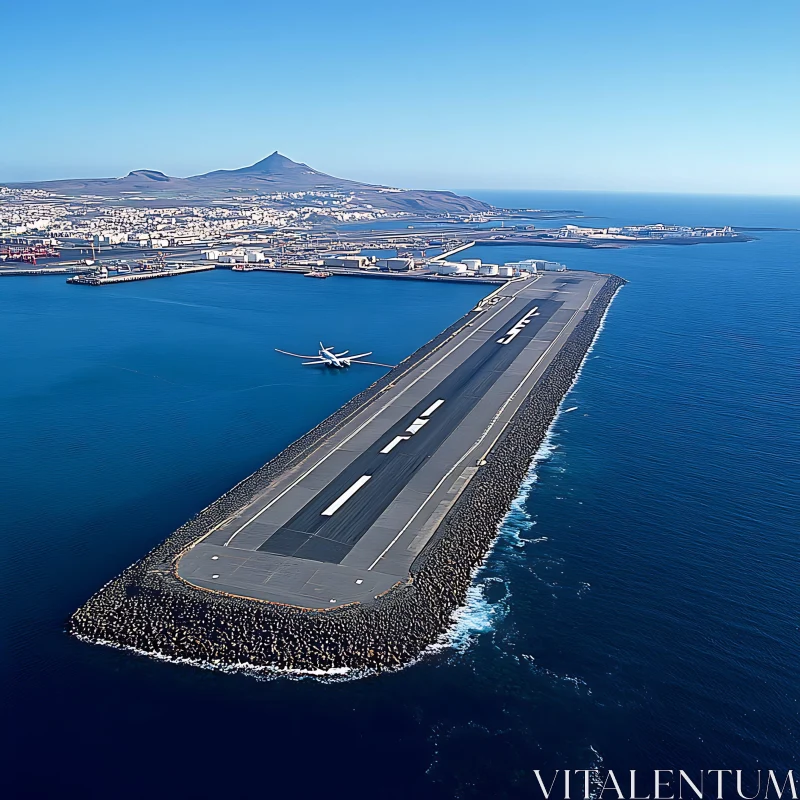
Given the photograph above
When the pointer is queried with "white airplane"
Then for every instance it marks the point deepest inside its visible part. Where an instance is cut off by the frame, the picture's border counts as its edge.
(327, 357)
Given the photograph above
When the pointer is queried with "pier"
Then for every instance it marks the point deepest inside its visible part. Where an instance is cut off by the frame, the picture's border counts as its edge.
(416, 275)
(354, 546)
(127, 277)
(443, 256)
(5, 272)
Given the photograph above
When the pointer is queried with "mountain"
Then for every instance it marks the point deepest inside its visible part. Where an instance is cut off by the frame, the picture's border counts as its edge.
(274, 174)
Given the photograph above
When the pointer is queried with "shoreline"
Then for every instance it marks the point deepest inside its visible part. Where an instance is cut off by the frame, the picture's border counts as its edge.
(149, 610)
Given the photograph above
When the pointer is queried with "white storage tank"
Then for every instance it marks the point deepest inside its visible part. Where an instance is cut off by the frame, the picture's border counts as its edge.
(400, 264)
(489, 269)
(473, 264)
(506, 272)
(448, 268)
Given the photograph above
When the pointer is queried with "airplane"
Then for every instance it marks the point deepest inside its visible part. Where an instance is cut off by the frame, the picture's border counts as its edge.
(327, 357)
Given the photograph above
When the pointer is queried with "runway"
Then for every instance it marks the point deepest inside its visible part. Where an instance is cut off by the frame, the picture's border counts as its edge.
(346, 523)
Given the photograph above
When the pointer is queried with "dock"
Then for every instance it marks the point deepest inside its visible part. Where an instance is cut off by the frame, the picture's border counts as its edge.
(415, 275)
(127, 277)
(6, 272)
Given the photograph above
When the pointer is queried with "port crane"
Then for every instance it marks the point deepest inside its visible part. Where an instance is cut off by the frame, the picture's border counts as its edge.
(28, 255)
(328, 358)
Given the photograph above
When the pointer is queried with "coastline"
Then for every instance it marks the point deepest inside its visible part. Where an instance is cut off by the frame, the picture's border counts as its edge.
(147, 609)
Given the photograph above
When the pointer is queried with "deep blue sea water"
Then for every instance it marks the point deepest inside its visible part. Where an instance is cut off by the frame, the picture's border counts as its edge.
(641, 608)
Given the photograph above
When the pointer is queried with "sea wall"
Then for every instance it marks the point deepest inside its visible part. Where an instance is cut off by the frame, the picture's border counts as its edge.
(147, 608)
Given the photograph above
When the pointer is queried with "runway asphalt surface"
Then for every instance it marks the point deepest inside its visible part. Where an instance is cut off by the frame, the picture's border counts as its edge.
(345, 524)
(314, 535)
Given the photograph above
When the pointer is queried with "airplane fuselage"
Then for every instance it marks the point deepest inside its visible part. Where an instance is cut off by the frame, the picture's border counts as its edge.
(327, 357)
(331, 359)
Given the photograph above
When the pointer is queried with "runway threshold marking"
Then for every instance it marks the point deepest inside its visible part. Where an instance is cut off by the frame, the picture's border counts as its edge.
(396, 441)
(337, 504)
(388, 404)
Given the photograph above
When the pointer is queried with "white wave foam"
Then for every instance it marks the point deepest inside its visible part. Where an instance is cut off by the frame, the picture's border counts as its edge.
(334, 674)
(594, 776)
(478, 615)
(577, 683)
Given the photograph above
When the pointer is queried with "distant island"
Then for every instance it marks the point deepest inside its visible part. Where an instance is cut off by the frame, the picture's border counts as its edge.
(273, 175)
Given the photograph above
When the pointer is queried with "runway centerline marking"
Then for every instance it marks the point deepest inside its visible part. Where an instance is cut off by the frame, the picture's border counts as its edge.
(337, 504)
(361, 427)
(396, 441)
(484, 434)
(416, 425)
(431, 408)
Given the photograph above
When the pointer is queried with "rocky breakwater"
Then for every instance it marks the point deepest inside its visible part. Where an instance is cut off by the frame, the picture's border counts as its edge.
(148, 609)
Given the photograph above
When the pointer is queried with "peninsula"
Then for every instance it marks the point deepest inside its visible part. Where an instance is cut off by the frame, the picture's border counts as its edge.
(354, 547)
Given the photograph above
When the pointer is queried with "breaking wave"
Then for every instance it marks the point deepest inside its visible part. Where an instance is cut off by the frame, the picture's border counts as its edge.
(478, 615)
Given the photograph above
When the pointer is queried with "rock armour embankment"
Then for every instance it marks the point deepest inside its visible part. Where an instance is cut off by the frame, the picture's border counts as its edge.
(147, 608)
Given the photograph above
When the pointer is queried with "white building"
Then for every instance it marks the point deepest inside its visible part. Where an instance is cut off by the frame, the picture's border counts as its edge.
(527, 265)
(347, 262)
(109, 238)
(489, 269)
(449, 268)
(534, 265)
(397, 264)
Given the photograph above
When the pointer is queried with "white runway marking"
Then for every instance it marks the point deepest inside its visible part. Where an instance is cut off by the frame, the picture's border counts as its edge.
(512, 333)
(337, 504)
(416, 425)
(466, 455)
(399, 394)
(431, 408)
(396, 441)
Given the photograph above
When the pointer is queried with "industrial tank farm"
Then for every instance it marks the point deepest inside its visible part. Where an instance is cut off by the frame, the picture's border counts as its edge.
(169, 604)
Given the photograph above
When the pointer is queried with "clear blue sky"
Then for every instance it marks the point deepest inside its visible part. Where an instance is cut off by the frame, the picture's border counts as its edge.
(698, 96)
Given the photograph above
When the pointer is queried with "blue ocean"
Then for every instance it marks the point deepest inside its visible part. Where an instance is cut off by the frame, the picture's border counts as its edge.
(641, 606)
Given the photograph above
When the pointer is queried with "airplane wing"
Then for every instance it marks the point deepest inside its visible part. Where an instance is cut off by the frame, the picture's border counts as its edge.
(296, 355)
(374, 364)
(360, 355)
(343, 353)
(310, 363)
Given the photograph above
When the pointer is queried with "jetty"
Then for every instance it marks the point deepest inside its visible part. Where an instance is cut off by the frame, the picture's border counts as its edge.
(5, 272)
(94, 279)
(354, 546)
